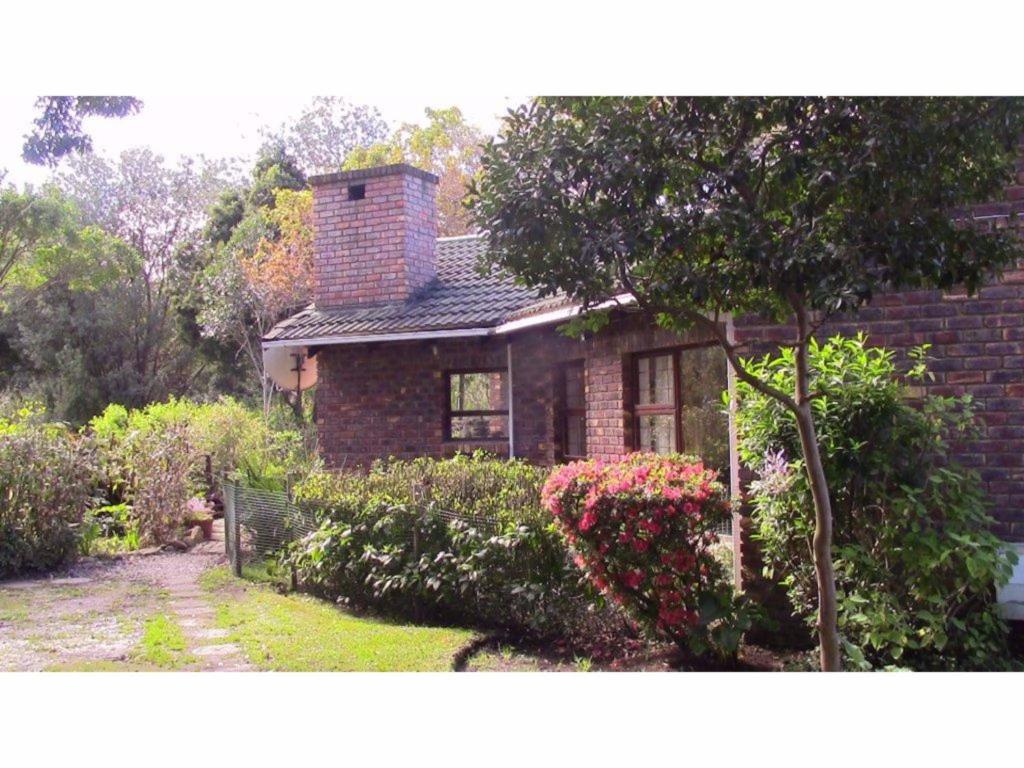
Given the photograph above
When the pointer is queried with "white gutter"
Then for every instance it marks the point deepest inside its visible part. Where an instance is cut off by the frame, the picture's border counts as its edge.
(564, 313)
(314, 341)
(544, 318)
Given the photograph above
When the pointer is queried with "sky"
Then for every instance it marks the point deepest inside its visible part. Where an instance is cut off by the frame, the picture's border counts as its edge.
(215, 126)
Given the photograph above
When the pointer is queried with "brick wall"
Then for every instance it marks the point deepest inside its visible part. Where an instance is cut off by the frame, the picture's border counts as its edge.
(379, 400)
(377, 248)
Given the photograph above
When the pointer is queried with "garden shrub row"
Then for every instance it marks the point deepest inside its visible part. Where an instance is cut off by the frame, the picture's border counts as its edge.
(460, 540)
(468, 540)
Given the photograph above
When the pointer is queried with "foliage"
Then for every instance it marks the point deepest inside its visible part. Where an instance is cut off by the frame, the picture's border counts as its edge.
(395, 541)
(29, 222)
(916, 564)
(280, 271)
(447, 146)
(89, 315)
(241, 444)
(766, 197)
(58, 128)
(327, 131)
(788, 207)
(644, 529)
(275, 169)
(298, 633)
(47, 479)
(471, 485)
(260, 274)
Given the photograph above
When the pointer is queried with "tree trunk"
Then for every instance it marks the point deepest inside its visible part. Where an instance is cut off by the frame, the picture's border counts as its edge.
(828, 627)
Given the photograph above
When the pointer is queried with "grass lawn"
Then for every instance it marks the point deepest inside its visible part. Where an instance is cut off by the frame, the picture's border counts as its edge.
(163, 644)
(298, 633)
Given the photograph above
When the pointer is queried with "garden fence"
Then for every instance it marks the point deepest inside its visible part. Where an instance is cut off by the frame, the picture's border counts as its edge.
(258, 523)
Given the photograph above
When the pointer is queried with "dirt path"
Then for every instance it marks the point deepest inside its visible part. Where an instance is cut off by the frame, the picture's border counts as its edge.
(100, 615)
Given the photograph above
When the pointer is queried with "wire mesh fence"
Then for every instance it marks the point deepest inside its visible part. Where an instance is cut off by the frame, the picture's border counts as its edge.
(258, 523)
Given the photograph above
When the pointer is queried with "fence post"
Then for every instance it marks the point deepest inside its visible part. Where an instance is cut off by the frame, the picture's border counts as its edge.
(237, 533)
(229, 516)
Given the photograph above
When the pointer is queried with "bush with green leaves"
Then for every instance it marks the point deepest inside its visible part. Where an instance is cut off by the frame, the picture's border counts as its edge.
(916, 562)
(460, 540)
(47, 485)
(240, 442)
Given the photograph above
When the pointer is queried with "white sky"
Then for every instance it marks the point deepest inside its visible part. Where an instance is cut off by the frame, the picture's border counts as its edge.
(215, 126)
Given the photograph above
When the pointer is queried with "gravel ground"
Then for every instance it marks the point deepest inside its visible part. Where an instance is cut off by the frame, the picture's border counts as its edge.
(93, 613)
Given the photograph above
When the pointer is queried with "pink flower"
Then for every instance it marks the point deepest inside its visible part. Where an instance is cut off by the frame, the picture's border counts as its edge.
(588, 521)
(633, 579)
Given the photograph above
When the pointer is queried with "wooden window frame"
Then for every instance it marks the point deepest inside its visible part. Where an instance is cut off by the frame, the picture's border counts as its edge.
(563, 413)
(675, 409)
(449, 413)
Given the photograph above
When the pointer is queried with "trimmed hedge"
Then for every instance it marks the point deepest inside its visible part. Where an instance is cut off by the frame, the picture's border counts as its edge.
(461, 540)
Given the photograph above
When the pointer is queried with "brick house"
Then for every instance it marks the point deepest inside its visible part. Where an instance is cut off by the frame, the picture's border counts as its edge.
(419, 354)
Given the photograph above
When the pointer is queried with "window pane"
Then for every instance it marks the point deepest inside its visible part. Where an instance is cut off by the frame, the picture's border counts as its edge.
(655, 384)
(574, 386)
(479, 427)
(703, 376)
(657, 433)
(478, 391)
(576, 436)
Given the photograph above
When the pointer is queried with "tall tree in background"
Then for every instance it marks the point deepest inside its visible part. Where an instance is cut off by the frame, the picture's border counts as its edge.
(795, 207)
(448, 147)
(158, 212)
(258, 277)
(58, 129)
(326, 132)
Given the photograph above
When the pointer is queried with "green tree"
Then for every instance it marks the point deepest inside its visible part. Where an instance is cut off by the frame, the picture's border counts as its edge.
(798, 208)
(448, 147)
(58, 129)
(324, 134)
(275, 169)
(29, 223)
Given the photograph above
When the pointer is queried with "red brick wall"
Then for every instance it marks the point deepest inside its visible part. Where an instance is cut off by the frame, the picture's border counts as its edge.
(379, 400)
(380, 248)
(978, 349)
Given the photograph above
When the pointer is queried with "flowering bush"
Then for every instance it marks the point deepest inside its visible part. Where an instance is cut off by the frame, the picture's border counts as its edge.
(643, 529)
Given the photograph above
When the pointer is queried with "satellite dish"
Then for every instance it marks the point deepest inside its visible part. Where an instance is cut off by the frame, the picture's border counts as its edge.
(290, 368)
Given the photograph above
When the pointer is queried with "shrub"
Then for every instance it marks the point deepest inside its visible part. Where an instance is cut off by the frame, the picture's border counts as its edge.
(916, 563)
(644, 530)
(153, 458)
(474, 485)
(453, 540)
(47, 481)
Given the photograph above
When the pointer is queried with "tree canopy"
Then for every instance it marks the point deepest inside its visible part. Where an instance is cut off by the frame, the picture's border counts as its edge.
(448, 147)
(58, 129)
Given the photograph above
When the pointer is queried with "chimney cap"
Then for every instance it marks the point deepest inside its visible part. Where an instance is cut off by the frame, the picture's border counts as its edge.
(372, 173)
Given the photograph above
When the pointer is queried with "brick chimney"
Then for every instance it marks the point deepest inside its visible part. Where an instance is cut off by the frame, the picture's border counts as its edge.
(375, 234)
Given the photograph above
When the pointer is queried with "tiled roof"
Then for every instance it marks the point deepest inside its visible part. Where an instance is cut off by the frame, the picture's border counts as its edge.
(458, 298)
